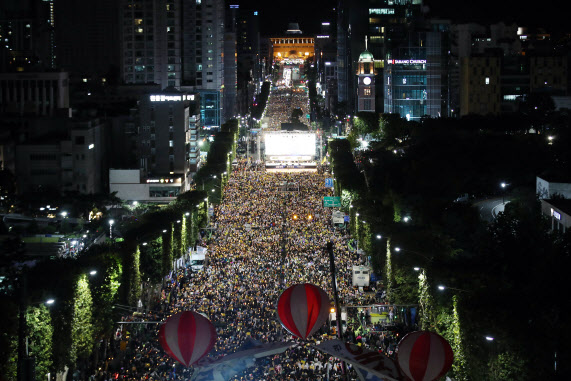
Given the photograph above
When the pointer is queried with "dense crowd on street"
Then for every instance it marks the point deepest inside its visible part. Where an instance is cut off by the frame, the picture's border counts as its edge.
(267, 239)
(281, 103)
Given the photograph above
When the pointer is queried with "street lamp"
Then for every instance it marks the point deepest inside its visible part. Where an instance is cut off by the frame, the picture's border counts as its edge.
(50, 302)
(442, 288)
(93, 272)
(398, 249)
(489, 338)
(111, 222)
(64, 214)
(504, 186)
(379, 236)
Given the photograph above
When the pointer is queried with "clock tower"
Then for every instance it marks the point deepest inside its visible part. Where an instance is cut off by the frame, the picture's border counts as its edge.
(366, 82)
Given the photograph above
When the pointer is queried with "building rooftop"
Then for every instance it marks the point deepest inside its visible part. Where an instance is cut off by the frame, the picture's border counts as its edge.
(563, 204)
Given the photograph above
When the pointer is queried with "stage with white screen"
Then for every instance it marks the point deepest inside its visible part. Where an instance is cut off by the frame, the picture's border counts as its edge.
(290, 150)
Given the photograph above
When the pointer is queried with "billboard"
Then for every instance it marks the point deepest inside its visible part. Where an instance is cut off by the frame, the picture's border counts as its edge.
(290, 144)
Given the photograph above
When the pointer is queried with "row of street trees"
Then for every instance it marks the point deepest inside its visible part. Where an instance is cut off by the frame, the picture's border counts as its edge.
(501, 280)
(73, 331)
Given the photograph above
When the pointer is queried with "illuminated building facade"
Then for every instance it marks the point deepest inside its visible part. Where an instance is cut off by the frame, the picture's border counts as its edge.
(293, 46)
(158, 47)
(414, 80)
(168, 134)
(366, 83)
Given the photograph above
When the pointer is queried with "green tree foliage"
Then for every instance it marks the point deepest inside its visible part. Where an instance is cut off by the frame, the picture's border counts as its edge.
(82, 328)
(151, 260)
(8, 336)
(134, 277)
(184, 235)
(393, 130)
(262, 99)
(40, 336)
(365, 123)
(105, 290)
(346, 172)
(508, 366)
(166, 259)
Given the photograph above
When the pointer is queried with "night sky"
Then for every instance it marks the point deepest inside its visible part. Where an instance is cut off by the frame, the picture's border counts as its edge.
(275, 15)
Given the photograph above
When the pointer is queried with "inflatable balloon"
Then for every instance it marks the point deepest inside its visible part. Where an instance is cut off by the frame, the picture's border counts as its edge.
(187, 337)
(424, 356)
(302, 309)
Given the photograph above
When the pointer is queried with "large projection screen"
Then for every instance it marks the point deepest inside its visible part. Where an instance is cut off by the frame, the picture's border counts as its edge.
(289, 144)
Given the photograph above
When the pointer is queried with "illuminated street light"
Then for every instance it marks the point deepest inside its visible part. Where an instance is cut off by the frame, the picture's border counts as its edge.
(93, 272)
(379, 236)
(504, 186)
(442, 288)
(489, 338)
(111, 222)
(50, 301)
(64, 214)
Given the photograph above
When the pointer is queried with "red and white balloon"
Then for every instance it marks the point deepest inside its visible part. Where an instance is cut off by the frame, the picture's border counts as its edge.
(424, 356)
(302, 309)
(187, 337)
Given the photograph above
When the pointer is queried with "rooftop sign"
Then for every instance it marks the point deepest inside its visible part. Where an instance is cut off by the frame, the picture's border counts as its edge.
(171, 98)
(406, 62)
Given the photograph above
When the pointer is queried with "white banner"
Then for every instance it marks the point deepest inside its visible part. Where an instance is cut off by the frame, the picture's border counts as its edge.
(372, 362)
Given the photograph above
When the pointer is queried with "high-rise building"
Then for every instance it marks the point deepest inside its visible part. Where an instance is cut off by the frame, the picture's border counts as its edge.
(87, 40)
(65, 159)
(481, 90)
(28, 39)
(176, 44)
(415, 77)
(168, 134)
(245, 23)
(386, 23)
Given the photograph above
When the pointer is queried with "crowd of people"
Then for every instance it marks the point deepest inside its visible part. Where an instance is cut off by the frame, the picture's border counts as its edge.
(268, 238)
(281, 103)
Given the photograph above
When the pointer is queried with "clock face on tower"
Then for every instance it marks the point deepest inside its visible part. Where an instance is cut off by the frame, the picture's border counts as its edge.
(367, 80)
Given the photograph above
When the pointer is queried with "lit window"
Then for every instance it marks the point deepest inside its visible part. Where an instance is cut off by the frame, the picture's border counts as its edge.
(487, 80)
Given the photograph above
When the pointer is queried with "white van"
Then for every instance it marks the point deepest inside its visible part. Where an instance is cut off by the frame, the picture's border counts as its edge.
(198, 259)
(361, 276)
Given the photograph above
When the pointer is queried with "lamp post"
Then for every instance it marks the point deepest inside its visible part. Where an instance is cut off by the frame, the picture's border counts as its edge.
(504, 186)
(442, 288)
(111, 222)
(398, 250)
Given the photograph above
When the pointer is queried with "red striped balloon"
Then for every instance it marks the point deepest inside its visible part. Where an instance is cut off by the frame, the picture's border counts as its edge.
(187, 337)
(424, 356)
(302, 309)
